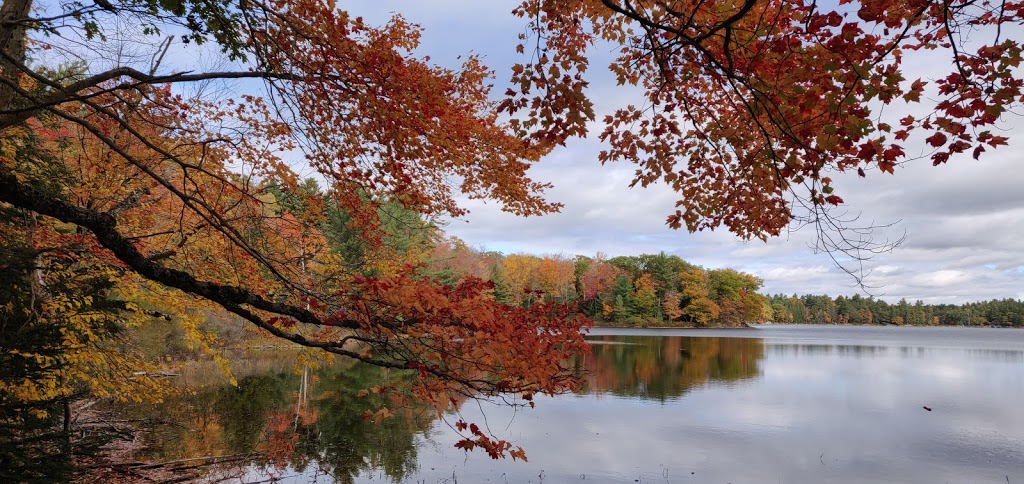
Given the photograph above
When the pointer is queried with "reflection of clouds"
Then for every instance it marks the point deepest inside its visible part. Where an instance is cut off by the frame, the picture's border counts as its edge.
(844, 415)
(947, 373)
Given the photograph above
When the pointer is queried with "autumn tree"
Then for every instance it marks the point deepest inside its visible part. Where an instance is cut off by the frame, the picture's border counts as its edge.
(781, 313)
(690, 295)
(697, 304)
(671, 305)
(644, 298)
(751, 109)
(168, 180)
(521, 269)
(756, 307)
(598, 278)
(63, 324)
(556, 275)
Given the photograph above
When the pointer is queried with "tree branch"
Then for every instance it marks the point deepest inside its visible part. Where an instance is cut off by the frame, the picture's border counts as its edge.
(104, 227)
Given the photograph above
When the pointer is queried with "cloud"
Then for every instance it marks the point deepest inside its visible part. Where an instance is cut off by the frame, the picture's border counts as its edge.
(791, 274)
(943, 278)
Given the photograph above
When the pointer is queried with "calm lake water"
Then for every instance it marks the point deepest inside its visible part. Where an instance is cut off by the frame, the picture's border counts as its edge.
(771, 405)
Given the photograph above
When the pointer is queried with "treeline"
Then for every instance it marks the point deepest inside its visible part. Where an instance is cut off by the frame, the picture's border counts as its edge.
(644, 290)
(868, 310)
(665, 290)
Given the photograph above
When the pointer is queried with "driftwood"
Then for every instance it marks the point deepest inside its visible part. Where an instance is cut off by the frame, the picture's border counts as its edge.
(179, 464)
(158, 374)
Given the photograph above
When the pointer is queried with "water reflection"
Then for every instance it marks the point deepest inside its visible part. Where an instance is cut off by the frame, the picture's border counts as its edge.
(791, 349)
(790, 406)
(665, 368)
(285, 422)
(871, 351)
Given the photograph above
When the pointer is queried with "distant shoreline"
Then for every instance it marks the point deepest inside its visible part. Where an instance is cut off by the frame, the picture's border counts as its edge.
(606, 324)
(612, 325)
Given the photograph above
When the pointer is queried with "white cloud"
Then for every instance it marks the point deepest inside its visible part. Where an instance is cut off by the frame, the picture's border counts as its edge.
(941, 278)
(794, 273)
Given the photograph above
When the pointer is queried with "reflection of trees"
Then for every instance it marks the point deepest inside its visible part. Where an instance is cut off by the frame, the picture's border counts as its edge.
(343, 442)
(317, 420)
(289, 420)
(663, 367)
(243, 410)
(218, 420)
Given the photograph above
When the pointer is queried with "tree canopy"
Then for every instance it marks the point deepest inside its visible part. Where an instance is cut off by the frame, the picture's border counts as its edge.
(138, 172)
(750, 107)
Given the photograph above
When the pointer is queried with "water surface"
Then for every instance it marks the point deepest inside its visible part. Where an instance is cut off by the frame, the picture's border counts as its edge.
(777, 404)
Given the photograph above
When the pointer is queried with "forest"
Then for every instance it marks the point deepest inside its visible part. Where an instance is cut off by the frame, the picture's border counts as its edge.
(644, 290)
(659, 290)
(857, 309)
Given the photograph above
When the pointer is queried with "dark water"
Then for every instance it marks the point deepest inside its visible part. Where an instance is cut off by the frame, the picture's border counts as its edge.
(772, 405)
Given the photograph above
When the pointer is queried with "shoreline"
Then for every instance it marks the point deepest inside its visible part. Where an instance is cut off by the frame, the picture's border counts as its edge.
(608, 325)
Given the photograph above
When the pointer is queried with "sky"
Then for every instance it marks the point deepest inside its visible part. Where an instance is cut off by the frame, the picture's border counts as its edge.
(963, 222)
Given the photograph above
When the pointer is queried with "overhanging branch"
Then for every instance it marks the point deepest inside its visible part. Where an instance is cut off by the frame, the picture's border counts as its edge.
(104, 227)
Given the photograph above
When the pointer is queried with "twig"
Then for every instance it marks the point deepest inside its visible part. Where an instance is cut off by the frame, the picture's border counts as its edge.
(185, 478)
(215, 459)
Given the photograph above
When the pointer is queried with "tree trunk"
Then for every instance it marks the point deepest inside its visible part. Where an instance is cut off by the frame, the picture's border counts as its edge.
(67, 420)
(67, 417)
(12, 46)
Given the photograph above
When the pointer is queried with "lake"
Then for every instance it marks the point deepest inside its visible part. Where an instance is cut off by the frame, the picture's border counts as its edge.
(780, 404)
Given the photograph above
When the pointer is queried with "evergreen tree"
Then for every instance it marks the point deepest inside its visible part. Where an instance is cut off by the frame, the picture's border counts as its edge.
(502, 292)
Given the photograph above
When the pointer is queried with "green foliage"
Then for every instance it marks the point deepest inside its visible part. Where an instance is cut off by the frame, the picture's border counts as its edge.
(621, 312)
(405, 232)
(629, 264)
(582, 265)
(501, 288)
(622, 287)
(664, 270)
(730, 284)
(201, 21)
(781, 313)
(811, 309)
